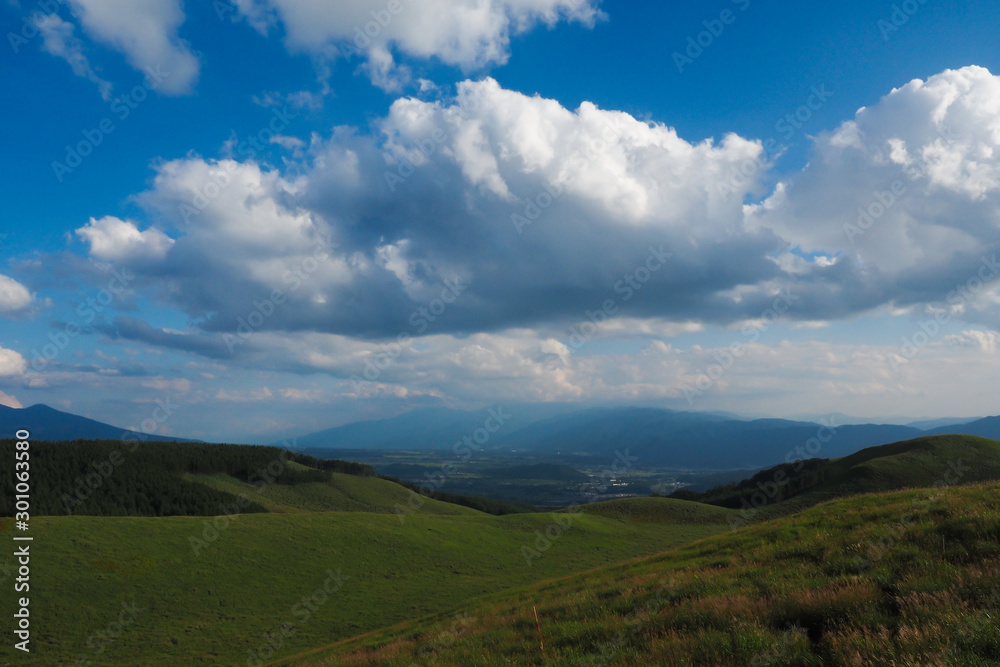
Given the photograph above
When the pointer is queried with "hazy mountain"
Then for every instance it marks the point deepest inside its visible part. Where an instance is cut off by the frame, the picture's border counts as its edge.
(45, 423)
(929, 424)
(985, 428)
(429, 428)
(658, 437)
(665, 438)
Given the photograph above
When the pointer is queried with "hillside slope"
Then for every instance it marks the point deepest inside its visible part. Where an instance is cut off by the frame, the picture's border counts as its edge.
(341, 493)
(921, 462)
(902, 578)
(224, 590)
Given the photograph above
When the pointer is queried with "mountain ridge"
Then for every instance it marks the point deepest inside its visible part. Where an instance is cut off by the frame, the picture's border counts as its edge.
(46, 423)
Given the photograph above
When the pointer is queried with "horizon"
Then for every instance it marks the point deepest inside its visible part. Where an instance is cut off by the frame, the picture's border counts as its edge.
(566, 201)
(831, 419)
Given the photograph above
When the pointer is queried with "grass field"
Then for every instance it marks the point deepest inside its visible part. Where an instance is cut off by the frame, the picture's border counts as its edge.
(233, 597)
(904, 578)
(332, 575)
(343, 493)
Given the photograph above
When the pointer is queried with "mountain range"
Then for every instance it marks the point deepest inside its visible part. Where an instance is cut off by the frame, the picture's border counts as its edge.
(655, 437)
(45, 423)
(658, 437)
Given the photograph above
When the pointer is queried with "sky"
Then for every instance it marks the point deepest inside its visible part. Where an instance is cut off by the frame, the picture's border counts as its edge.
(278, 216)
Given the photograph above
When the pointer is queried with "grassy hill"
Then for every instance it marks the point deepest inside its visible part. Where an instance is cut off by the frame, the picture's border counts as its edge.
(660, 510)
(901, 578)
(341, 493)
(922, 462)
(214, 589)
(133, 478)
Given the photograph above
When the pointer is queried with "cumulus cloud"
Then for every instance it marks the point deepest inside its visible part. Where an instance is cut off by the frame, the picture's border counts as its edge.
(59, 40)
(146, 32)
(512, 210)
(116, 240)
(14, 297)
(481, 233)
(11, 363)
(909, 190)
(464, 33)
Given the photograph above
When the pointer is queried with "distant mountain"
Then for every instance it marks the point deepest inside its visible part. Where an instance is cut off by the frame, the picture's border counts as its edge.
(984, 428)
(930, 424)
(656, 437)
(45, 423)
(429, 428)
(665, 438)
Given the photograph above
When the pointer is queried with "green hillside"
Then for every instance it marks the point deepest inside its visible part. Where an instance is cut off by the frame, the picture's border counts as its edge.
(213, 589)
(901, 578)
(923, 462)
(660, 510)
(132, 478)
(341, 493)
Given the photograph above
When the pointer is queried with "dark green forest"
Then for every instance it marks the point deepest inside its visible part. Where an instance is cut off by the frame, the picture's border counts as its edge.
(130, 478)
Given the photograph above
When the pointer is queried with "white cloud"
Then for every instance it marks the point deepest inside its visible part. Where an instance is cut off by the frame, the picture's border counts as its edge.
(543, 214)
(145, 31)
(113, 239)
(463, 33)
(10, 401)
(907, 184)
(11, 363)
(14, 297)
(250, 396)
(60, 41)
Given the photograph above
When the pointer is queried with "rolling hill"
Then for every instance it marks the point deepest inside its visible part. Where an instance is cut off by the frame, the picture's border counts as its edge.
(922, 462)
(238, 589)
(885, 579)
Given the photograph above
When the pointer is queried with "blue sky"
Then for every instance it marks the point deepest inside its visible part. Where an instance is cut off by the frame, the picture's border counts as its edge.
(506, 93)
